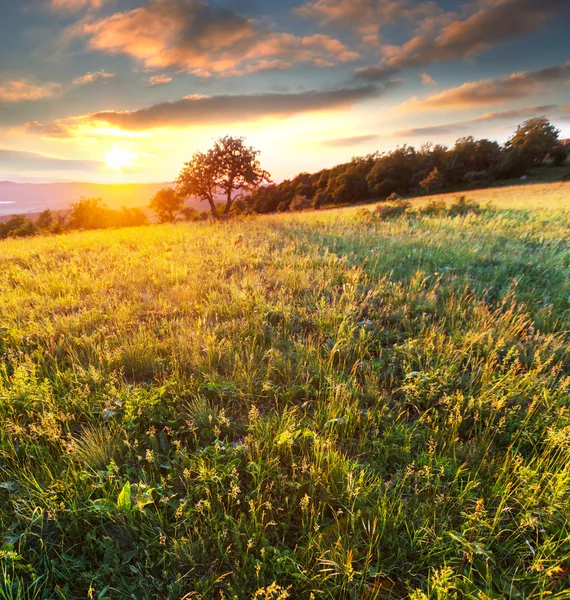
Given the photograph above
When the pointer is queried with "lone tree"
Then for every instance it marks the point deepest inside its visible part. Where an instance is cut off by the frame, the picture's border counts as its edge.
(535, 138)
(228, 167)
(167, 204)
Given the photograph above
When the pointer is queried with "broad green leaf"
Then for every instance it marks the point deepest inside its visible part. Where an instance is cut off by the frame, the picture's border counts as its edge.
(124, 499)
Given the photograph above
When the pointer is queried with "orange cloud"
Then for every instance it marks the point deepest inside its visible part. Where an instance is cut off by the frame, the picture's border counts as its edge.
(24, 90)
(428, 79)
(194, 36)
(494, 91)
(157, 80)
(91, 77)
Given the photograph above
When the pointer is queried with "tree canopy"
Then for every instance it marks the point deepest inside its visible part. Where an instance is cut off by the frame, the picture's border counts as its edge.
(228, 167)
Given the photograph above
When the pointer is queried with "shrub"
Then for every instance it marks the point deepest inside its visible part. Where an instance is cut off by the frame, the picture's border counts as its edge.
(45, 220)
(434, 208)
(390, 211)
(167, 204)
(462, 207)
(130, 217)
(90, 213)
(17, 226)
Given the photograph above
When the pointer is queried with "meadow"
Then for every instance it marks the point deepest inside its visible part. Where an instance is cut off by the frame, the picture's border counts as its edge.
(309, 405)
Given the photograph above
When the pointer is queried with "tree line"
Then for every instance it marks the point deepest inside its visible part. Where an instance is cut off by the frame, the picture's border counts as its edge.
(231, 170)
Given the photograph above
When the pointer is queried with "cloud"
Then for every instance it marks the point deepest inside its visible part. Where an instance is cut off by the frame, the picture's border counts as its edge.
(460, 126)
(493, 22)
(91, 77)
(207, 110)
(21, 90)
(157, 80)
(31, 161)
(493, 91)
(428, 79)
(58, 130)
(75, 5)
(347, 142)
(376, 74)
(194, 36)
(366, 16)
(25, 90)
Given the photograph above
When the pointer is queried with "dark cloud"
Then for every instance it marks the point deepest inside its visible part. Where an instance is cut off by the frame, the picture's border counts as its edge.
(495, 21)
(30, 161)
(203, 110)
(378, 74)
(446, 36)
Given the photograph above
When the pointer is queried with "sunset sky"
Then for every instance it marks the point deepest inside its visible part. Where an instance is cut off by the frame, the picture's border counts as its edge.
(127, 90)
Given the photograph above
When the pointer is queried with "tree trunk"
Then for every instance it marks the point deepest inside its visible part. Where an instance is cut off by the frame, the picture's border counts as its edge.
(213, 208)
(228, 203)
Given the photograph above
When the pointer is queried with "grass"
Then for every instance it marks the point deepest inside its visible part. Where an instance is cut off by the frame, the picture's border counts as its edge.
(302, 406)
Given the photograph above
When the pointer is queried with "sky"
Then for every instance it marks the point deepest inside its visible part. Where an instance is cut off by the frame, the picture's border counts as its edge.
(118, 91)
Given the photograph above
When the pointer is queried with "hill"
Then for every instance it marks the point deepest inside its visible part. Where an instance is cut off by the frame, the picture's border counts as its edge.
(29, 198)
(321, 404)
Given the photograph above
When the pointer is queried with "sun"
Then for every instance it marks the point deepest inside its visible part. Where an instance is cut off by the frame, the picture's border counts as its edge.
(119, 158)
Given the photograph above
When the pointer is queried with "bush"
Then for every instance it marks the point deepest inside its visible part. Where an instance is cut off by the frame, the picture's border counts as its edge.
(390, 211)
(45, 220)
(90, 213)
(434, 208)
(462, 207)
(167, 204)
(17, 226)
(130, 217)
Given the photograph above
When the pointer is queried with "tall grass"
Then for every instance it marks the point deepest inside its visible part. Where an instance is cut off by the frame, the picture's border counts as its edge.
(292, 406)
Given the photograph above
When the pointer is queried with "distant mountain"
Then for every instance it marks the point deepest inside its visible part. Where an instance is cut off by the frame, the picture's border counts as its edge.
(29, 198)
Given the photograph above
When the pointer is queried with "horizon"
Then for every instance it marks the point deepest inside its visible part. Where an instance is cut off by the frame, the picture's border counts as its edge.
(102, 92)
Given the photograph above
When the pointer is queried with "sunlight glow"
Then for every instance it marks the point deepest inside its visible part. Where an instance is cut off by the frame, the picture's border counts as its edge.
(119, 158)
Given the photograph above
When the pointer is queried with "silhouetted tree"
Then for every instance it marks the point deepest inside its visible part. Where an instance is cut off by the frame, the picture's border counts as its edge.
(130, 217)
(226, 168)
(17, 226)
(89, 213)
(558, 154)
(535, 138)
(45, 220)
(433, 182)
(167, 204)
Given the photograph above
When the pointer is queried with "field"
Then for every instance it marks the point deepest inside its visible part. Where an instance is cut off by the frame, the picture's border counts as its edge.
(314, 405)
